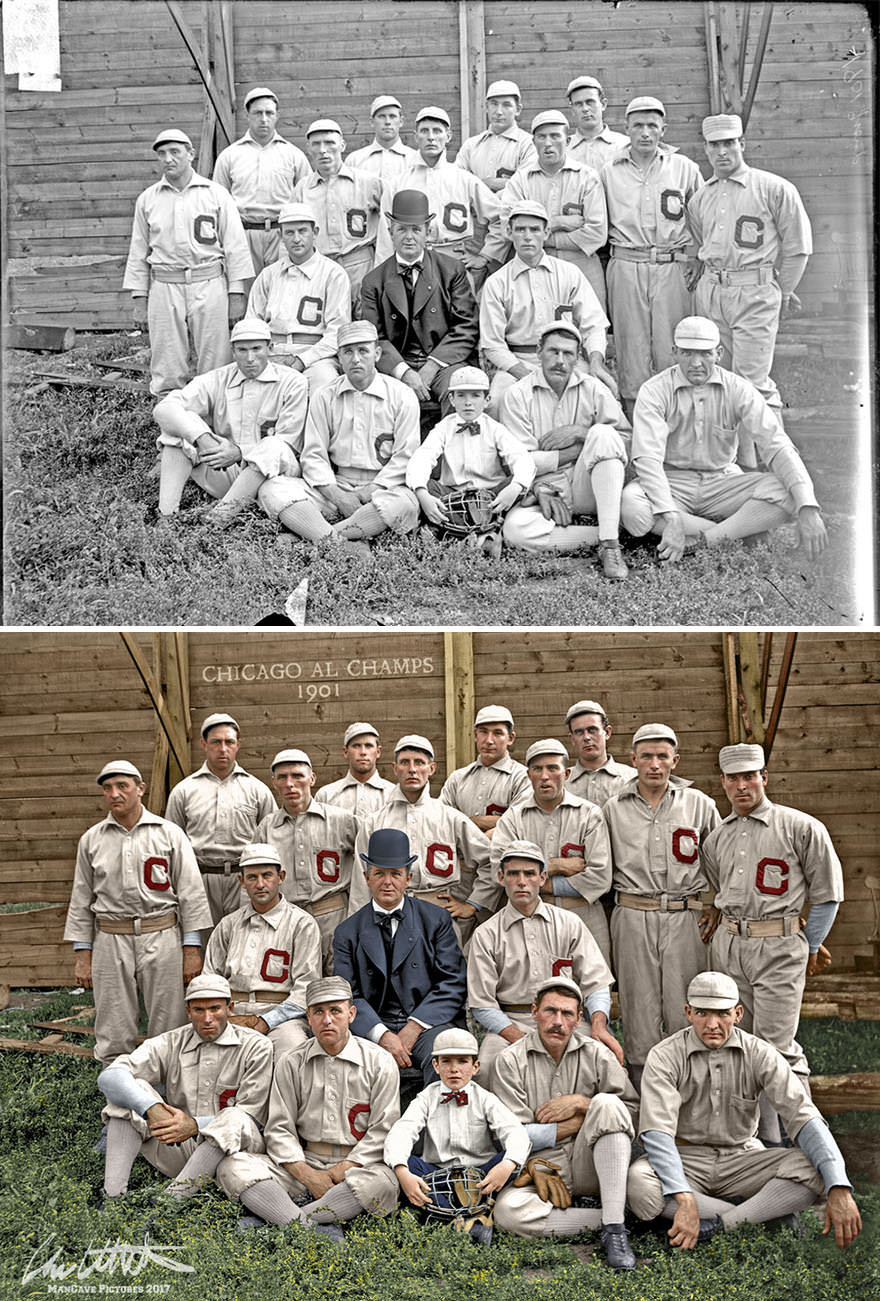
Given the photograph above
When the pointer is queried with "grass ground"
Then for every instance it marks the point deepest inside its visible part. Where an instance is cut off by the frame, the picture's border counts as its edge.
(49, 1177)
(82, 545)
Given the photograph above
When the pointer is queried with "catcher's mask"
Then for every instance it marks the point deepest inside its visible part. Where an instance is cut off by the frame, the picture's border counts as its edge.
(469, 511)
(457, 1199)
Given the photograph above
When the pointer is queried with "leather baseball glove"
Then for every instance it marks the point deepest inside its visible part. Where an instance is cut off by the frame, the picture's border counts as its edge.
(549, 1184)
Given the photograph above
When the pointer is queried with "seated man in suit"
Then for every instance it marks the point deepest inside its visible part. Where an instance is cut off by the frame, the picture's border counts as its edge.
(421, 304)
(401, 958)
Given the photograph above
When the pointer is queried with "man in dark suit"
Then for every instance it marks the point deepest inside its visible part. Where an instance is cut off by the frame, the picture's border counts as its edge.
(421, 304)
(401, 958)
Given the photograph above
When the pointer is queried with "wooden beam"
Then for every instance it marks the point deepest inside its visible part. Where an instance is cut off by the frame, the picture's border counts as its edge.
(743, 46)
(731, 696)
(157, 793)
(29, 1046)
(766, 656)
(204, 72)
(763, 34)
(750, 686)
(458, 671)
(41, 338)
(175, 691)
(779, 695)
(711, 26)
(472, 65)
(731, 95)
(833, 1094)
(176, 741)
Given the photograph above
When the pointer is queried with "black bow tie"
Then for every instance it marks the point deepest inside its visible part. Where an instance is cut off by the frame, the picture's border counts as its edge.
(461, 1098)
(385, 919)
(407, 272)
(471, 427)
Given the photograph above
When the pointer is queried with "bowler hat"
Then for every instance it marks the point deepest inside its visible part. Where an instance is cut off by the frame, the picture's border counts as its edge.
(410, 206)
(388, 848)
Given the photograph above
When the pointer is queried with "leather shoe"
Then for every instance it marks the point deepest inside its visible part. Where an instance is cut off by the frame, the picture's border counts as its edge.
(615, 1244)
(708, 1228)
(613, 563)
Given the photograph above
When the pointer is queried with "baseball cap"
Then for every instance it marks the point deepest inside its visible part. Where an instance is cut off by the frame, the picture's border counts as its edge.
(645, 104)
(326, 989)
(741, 758)
(722, 126)
(390, 848)
(259, 92)
(560, 982)
(493, 714)
(436, 114)
(412, 741)
(259, 852)
(118, 768)
(207, 985)
(654, 732)
(528, 208)
(696, 332)
(358, 729)
(712, 989)
(215, 720)
(582, 83)
(449, 1043)
(250, 327)
(384, 101)
(468, 377)
(584, 707)
(290, 756)
(324, 124)
(172, 136)
(559, 327)
(548, 746)
(356, 332)
(499, 88)
(296, 212)
(523, 849)
(549, 117)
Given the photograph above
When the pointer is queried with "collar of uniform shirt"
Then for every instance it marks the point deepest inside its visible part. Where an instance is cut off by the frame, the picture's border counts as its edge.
(308, 268)
(694, 1044)
(740, 176)
(268, 375)
(680, 380)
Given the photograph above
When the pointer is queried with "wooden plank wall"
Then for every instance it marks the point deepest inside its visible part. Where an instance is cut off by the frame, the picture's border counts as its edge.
(68, 701)
(77, 159)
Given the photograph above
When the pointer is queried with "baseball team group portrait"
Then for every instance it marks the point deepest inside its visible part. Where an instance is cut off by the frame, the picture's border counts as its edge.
(517, 329)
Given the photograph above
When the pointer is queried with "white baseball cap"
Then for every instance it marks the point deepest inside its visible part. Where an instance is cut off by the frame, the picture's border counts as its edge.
(714, 990)
(435, 114)
(449, 1043)
(296, 212)
(499, 88)
(359, 729)
(584, 707)
(523, 849)
(645, 104)
(654, 732)
(560, 982)
(549, 117)
(118, 768)
(172, 136)
(528, 208)
(250, 327)
(696, 332)
(324, 124)
(259, 853)
(414, 742)
(215, 720)
(207, 985)
(548, 746)
(468, 378)
(722, 126)
(741, 758)
(259, 92)
(494, 714)
(290, 756)
(384, 101)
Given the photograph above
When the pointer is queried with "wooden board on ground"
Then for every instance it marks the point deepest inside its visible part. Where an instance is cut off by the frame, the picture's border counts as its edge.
(90, 381)
(833, 1094)
(28, 1046)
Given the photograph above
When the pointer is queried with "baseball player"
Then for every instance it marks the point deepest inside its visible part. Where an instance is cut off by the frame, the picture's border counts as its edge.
(593, 142)
(447, 845)
(571, 836)
(268, 950)
(653, 259)
(458, 199)
(484, 789)
(304, 297)
(187, 266)
(496, 153)
(596, 775)
(687, 427)
(331, 1106)
(575, 430)
(525, 943)
(578, 1107)
(316, 845)
(260, 171)
(219, 807)
(570, 192)
(346, 203)
(754, 241)
(232, 428)
(188, 1097)
(387, 156)
(361, 790)
(763, 861)
(136, 908)
(697, 1119)
(659, 927)
(531, 291)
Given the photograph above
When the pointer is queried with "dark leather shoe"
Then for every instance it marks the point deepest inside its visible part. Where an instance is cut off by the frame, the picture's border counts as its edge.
(615, 1244)
(708, 1228)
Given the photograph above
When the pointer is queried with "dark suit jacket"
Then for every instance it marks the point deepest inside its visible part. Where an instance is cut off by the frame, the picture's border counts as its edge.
(445, 318)
(428, 970)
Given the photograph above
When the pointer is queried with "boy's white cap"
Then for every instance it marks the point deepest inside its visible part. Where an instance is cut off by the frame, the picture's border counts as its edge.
(469, 377)
(449, 1043)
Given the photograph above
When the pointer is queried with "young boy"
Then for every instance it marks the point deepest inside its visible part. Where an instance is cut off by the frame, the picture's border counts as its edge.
(458, 1119)
(474, 452)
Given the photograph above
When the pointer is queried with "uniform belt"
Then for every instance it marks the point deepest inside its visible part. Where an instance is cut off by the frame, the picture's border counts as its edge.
(759, 929)
(515, 1007)
(270, 223)
(338, 1150)
(295, 338)
(648, 254)
(433, 896)
(186, 275)
(228, 868)
(744, 276)
(448, 244)
(330, 903)
(138, 925)
(259, 996)
(353, 254)
(564, 900)
(523, 349)
(650, 903)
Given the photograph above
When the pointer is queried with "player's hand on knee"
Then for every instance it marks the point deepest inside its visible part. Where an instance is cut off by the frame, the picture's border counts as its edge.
(413, 379)
(685, 1228)
(812, 532)
(392, 1044)
(671, 545)
(842, 1213)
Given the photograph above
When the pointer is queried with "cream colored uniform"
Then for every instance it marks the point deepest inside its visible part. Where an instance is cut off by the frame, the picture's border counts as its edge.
(223, 1084)
(658, 858)
(485, 790)
(344, 1105)
(487, 459)
(188, 251)
(574, 829)
(510, 955)
(264, 417)
(707, 1099)
(575, 188)
(458, 199)
(448, 845)
(597, 152)
(762, 868)
(599, 785)
(219, 817)
(358, 797)
(650, 242)
(138, 875)
(530, 409)
(388, 164)
(494, 156)
(261, 180)
(304, 307)
(746, 226)
(269, 958)
(524, 1077)
(316, 849)
(347, 208)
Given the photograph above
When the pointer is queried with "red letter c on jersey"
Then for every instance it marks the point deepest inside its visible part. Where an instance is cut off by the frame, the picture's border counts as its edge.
(440, 869)
(205, 229)
(558, 964)
(285, 966)
(330, 874)
(355, 1111)
(760, 876)
(227, 1097)
(160, 882)
(685, 834)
